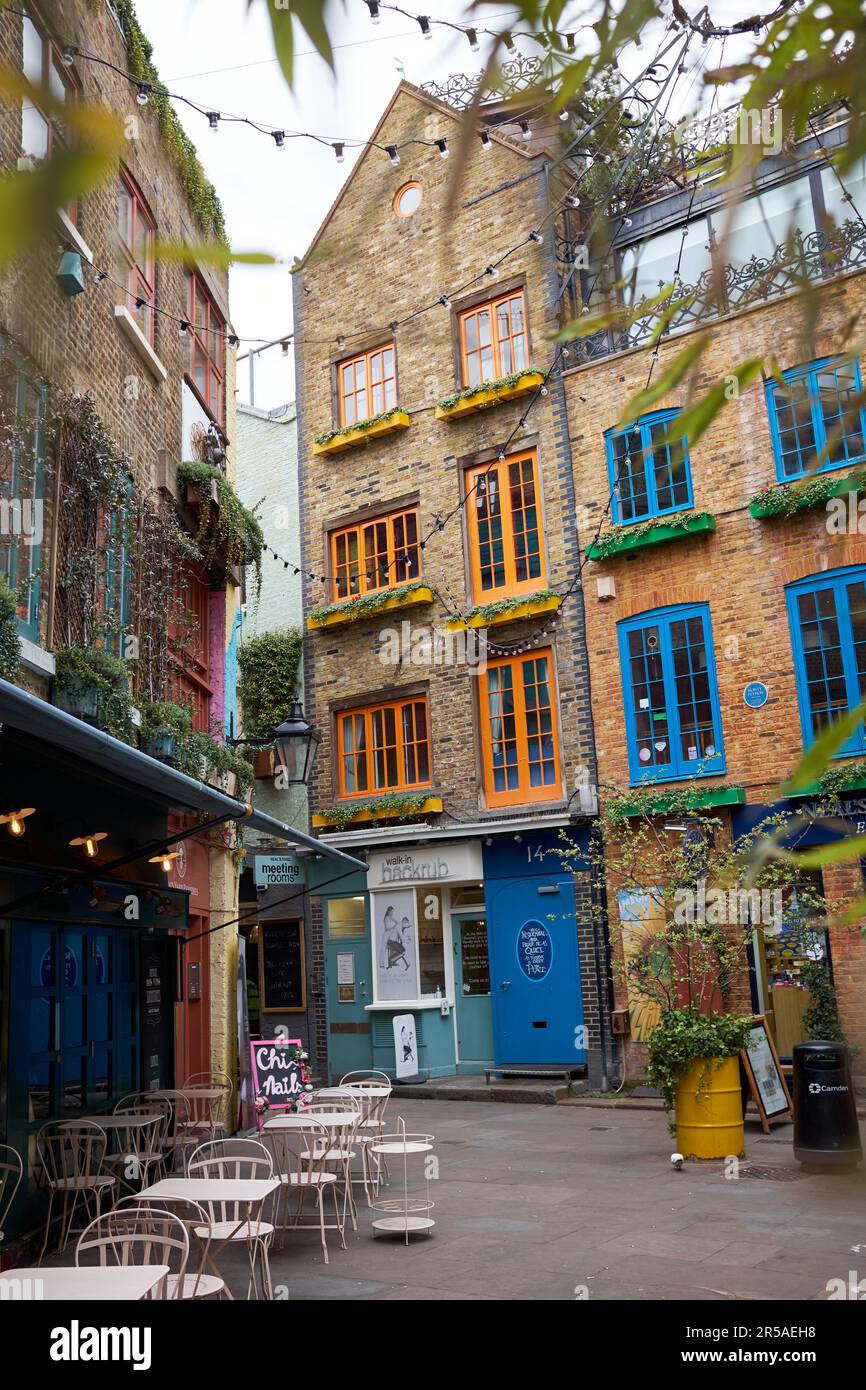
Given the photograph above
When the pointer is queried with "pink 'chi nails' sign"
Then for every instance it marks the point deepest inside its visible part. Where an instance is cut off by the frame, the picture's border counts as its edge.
(279, 1075)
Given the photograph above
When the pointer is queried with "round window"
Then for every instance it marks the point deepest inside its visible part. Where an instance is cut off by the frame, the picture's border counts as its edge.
(407, 199)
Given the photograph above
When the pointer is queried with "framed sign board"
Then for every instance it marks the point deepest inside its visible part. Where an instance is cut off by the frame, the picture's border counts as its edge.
(278, 1075)
(764, 1074)
(282, 972)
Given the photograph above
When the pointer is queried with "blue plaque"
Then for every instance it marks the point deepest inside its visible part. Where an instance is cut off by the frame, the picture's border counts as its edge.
(756, 694)
(534, 950)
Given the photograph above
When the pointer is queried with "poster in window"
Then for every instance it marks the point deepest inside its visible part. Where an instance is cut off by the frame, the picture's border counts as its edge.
(395, 940)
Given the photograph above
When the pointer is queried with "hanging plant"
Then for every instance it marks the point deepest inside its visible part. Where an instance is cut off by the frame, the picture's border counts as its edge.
(235, 529)
(10, 641)
(91, 683)
(268, 670)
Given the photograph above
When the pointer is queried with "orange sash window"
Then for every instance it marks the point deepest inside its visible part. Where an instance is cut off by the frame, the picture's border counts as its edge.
(367, 385)
(384, 748)
(519, 738)
(506, 536)
(377, 554)
(493, 339)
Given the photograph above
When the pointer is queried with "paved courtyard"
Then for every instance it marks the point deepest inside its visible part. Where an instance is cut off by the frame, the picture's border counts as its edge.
(562, 1201)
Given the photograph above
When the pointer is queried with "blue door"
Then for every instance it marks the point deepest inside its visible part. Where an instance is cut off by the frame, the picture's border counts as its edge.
(349, 975)
(537, 1006)
(472, 987)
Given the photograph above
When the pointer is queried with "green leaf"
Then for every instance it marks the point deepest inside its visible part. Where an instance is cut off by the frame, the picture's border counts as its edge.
(214, 253)
(672, 377)
(852, 847)
(29, 200)
(826, 745)
(696, 418)
(310, 14)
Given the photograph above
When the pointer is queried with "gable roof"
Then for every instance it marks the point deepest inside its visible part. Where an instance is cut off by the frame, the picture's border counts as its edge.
(408, 89)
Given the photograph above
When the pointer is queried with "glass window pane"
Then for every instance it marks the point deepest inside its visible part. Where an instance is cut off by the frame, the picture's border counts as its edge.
(838, 209)
(649, 265)
(32, 52)
(764, 221)
(34, 132)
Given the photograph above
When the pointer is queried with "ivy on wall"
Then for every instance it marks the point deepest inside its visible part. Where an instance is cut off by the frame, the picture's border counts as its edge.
(235, 528)
(201, 195)
(268, 670)
(10, 643)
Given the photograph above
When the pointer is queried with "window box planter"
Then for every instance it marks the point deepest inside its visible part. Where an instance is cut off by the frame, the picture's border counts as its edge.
(160, 744)
(621, 539)
(362, 433)
(491, 393)
(786, 499)
(507, 611)
(368, 811)
(836, 781)
(695, 801)
(369, 606)
(199, 495)
(79, 697)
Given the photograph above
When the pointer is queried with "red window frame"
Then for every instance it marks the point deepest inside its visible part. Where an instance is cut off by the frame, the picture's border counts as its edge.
(190, 674)
(140, 279)
(208, 331)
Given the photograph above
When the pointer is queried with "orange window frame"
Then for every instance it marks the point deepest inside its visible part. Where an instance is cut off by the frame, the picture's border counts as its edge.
(140, 279)
(502, 363)
(363, 384)
(490, 496)
(376, 568)
(208, 347)
(367, 737)
(524, 733)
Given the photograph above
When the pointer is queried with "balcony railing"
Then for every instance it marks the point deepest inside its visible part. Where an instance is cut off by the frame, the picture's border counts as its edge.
(799, 261)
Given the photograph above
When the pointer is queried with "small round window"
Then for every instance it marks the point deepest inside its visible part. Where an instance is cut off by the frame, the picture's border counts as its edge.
(407, 199)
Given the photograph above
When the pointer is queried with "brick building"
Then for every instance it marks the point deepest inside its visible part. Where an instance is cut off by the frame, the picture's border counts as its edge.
(723, 605)
(428, 513)
(115, 368)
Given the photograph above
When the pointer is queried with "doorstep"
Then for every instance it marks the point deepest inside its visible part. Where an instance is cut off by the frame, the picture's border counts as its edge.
(528, 1091)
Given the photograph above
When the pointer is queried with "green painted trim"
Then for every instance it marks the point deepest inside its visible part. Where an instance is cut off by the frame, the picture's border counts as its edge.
(718, 796)
(623, 538)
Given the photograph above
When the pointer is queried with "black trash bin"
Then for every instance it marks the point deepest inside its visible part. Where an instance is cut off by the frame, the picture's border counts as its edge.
(825, 1110)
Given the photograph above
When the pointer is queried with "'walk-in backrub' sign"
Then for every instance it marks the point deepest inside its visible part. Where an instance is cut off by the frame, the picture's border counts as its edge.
(534, 950)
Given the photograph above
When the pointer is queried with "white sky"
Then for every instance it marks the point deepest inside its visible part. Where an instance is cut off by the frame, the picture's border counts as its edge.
(274, 200)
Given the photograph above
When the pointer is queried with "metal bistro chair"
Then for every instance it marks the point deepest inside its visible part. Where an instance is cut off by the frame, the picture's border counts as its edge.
(11, 1170)
(178, 1136)
(300, 1159)
(70, 1155)
(207, 1115)
(138, 1150)
(196, 1282)
(343, 1145)
(373, 1088)
(141, 1235)
(229, 1222)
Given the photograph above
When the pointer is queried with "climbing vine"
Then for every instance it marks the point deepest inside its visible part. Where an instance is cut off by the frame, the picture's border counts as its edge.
(235, 528)
(268, 670)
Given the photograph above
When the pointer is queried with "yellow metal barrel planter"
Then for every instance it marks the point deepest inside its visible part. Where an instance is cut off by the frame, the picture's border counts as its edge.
(709, 1109)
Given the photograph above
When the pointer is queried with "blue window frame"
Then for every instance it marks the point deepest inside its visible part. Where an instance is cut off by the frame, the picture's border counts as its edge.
(827, 614)
(670, 693)
(22, 491)
(647, 478)
(814, 410)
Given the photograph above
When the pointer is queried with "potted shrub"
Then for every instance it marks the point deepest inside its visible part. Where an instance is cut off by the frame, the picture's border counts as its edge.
(10, 642)
(92, 684)
(164, 726)
(694, 1062)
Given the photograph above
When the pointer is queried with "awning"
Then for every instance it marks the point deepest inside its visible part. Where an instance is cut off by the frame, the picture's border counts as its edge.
(54, 727)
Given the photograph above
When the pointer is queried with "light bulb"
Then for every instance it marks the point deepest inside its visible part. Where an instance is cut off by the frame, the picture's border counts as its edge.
(142, 94)
(90, 847)
(338, 152)
(16, 825)
(524, 130)
(373, 7)
(472, 36)
(484, 137)
(279, 139)
(391, 151)
(508, 40)
(214, 120)
(442, 147)
(425, 26)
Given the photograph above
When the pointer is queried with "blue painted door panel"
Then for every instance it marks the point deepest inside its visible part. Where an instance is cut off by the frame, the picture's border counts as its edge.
(537, 1006)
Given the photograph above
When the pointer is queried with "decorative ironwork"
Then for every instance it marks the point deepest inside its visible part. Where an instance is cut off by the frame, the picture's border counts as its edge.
(803, 259)
(517, 76)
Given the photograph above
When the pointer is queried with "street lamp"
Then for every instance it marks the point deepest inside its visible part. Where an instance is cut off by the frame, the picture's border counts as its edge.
(296, 743)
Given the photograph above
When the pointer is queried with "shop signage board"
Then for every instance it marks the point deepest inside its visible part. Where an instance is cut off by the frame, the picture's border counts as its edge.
(279, 871)
(459, 863)
(405, 1047)
(764, 1074)
(282, 975)
(277, 1075)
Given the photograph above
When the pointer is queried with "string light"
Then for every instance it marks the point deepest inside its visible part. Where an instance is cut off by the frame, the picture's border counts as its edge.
(508, 40)
(445, 301)
(213, 120)
(183, 327)
(373, 7)
(279, 139)
(472, 36)
(425, 26)
(143, 94)
(442, 147)
(339, 151)
(484, 137)
(524, 129)
(165, 859)
(15, 820)
(89, 842)
(391, 151)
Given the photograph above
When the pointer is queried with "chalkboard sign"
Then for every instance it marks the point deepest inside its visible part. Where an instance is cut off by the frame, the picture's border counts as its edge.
(282, 977)
(279, 1076)
(158, 955)
(764, 1075)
